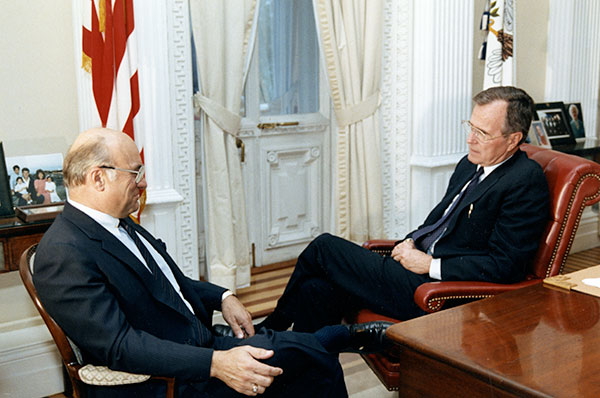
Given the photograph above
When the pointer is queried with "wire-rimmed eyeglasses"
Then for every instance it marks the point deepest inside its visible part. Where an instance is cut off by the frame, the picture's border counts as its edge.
(479, 134)
(139, 173)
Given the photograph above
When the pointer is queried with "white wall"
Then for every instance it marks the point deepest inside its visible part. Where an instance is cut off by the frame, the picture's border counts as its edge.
(38, 115)
(38, 100)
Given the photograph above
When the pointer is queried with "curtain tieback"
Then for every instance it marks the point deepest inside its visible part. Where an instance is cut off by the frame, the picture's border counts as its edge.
(357, 112)
(223, 117)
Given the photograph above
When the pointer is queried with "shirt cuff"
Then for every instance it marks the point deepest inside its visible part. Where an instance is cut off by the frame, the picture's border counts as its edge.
(226, 294)
(435, 269)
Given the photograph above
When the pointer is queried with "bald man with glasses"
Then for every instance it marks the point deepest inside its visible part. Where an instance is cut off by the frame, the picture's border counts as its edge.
(116, 292)
(486, 228)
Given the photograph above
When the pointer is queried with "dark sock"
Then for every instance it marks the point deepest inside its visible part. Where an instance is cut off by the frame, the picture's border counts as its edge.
(334, 338)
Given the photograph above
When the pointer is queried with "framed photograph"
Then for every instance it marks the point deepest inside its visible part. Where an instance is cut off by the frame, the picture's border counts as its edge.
(538, 135)
(39, 212)
(555, 122)
(6, 205)
(36, 179)
(576, 120)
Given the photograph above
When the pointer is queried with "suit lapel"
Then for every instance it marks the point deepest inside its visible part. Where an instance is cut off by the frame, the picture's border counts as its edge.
(123, 255)
(161, 248)
(482, 188)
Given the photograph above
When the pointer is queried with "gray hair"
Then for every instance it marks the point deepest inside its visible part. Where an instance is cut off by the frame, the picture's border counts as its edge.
(81, 158)
(519, 112)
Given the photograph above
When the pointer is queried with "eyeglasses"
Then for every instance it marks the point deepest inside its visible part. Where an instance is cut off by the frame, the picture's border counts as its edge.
(479, 134)
(139, 173)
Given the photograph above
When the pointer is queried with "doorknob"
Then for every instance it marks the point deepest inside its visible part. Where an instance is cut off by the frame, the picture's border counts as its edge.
(242, 147)
(270, 126)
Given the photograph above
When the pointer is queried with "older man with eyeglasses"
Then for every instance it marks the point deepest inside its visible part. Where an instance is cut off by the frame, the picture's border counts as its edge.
(117, 293)
(486, 228)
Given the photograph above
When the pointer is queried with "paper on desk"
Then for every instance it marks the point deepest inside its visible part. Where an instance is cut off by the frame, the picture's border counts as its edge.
(585, 281)
(591, 282)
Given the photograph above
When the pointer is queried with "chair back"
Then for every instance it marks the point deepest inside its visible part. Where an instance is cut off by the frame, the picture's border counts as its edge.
(69, 352)
(68, 355)
(574, 183)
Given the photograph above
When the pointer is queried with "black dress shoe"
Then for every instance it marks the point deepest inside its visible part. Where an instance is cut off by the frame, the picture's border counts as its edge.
(222, 330)
(369, 337)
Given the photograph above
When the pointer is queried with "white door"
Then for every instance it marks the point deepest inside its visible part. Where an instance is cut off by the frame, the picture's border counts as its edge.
(286, 134)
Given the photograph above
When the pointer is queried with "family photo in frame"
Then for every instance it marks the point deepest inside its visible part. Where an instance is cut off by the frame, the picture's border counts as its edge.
(35, 179)
(538, 136)
(555, 122)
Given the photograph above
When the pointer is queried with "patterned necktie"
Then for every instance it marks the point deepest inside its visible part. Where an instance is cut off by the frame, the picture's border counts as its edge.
(426, 236)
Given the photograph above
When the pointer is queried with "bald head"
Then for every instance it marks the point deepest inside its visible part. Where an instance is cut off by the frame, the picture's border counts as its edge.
(100, 171)
(91, 148)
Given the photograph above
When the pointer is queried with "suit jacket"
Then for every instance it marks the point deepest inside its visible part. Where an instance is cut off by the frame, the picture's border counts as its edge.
(106, 302)
(494, 233)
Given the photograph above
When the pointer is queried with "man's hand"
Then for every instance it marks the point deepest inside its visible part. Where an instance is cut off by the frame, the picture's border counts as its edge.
(240, 370)
(411, 258)
(236, 315)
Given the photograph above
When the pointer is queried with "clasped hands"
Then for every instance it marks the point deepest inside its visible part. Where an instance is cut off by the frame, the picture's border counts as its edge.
(240, 367)
(411, 258)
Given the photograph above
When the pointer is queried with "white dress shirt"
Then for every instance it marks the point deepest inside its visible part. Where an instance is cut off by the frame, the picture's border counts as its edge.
(435, 268)
(111, 224)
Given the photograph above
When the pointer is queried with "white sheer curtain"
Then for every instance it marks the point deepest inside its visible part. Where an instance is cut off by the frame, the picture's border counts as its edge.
(223, 31)
(350, 35)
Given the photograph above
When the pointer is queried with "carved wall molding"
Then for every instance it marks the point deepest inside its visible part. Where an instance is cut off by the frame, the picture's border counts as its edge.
(396, 115)
(426, 92)
(183, 138)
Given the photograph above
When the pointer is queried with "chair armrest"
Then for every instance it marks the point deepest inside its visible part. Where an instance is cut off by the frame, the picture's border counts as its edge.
(381, 246)
(432, 296)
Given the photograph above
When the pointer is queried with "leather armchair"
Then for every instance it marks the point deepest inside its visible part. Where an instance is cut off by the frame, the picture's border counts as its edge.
(574, 183)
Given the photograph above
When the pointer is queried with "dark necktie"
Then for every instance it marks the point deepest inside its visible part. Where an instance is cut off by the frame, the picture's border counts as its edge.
(163, 283)
(159, 277)
(426, 236)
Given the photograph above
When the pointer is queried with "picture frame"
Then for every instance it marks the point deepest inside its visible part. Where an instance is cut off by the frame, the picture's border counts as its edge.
(575, 118)
(555, 122)
(39, 179)
(538, 135)
(39, 212)
(6, 205)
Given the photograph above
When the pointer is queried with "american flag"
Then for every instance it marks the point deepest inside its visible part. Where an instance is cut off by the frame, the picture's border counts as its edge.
(109, 55)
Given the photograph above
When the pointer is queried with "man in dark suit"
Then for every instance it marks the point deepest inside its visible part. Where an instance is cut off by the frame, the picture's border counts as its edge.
(490, 232)
(120, 297)
(33, 194)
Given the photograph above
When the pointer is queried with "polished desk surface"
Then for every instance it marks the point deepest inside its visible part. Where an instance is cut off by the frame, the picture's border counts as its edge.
(536, 341)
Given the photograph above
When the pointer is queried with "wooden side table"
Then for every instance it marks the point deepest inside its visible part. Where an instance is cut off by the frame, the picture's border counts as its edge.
(16, 236)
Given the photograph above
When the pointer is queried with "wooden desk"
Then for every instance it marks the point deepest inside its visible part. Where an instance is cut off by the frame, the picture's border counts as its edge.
(532, 342)
(16, 236)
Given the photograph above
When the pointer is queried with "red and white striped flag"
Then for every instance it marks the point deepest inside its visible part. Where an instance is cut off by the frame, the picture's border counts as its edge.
(109, 54)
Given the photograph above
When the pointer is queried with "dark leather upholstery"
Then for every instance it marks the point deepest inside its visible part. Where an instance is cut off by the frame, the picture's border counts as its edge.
(573, 182)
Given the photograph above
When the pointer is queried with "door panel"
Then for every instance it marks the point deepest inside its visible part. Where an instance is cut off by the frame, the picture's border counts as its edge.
(286, 134)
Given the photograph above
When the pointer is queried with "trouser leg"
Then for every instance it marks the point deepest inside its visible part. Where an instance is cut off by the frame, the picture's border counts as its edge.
(352, 277)
(309, 370)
